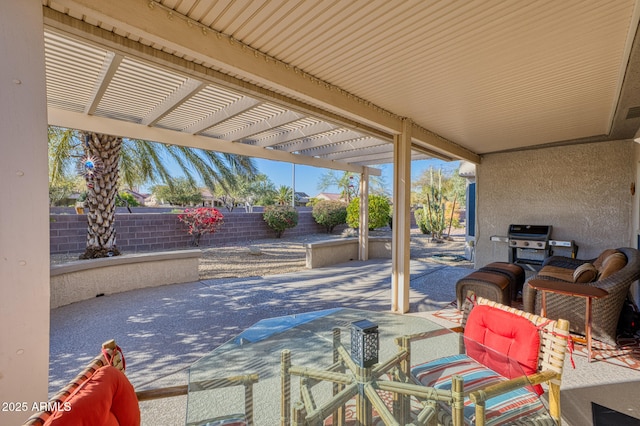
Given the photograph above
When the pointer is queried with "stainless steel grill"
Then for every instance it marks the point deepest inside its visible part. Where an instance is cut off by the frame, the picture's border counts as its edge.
(529, 244)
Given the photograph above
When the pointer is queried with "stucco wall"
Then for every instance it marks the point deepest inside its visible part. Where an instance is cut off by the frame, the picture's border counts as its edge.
(583, 191)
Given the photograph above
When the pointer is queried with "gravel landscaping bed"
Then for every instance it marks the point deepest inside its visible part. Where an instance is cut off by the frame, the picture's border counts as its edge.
(283, 255)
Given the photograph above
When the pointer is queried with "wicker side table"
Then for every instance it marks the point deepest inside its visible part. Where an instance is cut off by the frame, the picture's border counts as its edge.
(570, 289)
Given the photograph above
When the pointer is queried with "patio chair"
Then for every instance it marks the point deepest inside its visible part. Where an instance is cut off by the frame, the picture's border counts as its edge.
(537, 344)
(605, 311)
(101, 394)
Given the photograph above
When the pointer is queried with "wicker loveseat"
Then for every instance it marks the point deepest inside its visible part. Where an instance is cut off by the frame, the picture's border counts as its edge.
(605, 310)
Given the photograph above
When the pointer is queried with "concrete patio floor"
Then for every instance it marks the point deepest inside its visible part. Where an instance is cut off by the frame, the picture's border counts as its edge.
(163, 330)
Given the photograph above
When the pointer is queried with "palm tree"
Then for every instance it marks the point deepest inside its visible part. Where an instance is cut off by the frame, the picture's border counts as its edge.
(284, 195)
(104, 160)
(349, 184)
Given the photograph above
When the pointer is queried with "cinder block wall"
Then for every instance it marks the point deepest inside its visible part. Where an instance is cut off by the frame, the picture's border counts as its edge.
(152, 231)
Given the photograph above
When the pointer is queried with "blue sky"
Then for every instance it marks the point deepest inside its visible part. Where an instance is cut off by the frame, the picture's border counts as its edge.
(307, 177)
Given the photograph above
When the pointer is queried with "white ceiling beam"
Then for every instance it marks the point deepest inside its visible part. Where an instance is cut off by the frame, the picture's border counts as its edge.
(179, 96)
(362, 143)
(109, 68)
(383, 157)
(431, 153)
(309, 143)
(236, 108)
(74, 120)
(414, 157)
(264, 125)
(434, 142)
(357, 153)
(303, 132)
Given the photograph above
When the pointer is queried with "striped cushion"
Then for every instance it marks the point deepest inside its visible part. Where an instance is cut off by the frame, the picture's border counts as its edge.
(502, 410)
(228, 421)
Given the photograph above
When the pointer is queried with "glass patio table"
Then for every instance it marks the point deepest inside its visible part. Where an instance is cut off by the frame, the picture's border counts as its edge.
(282, 369)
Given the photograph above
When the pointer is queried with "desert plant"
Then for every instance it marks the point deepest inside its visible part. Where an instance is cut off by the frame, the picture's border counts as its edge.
(421, 220)
(329, 214)
(124, 199)
(280, 218)
(379, 212)
(203, 220)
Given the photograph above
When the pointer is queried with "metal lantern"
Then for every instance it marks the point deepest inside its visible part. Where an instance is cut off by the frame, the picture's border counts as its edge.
(364, 343)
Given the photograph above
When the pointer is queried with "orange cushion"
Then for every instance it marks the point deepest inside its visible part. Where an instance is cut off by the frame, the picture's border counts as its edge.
(503, 333)
(105, 399)
(612, 264)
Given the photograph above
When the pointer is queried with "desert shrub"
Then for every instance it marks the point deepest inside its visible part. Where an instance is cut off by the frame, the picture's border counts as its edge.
(421, 220)
(379, 212)
(203, 220)
(124, 199)
(280, 218)
(329, 214)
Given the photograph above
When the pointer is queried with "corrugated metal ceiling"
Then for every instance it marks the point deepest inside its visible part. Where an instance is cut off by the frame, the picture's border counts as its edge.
(486, 75)
(78, 76)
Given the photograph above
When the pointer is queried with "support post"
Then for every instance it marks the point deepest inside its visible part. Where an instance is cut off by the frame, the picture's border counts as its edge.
(285, 386)
(24, 223)
(401, 250)
(363, 235)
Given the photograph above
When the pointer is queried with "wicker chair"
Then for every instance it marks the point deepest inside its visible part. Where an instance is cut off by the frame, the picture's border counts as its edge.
(554, 337)
(605, 310)
(112, 355)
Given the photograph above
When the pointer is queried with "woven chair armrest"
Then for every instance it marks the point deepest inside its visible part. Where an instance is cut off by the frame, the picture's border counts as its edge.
(491, 391)
(565, 262)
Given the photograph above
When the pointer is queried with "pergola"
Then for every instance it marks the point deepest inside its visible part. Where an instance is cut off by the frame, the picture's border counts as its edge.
(344, 85)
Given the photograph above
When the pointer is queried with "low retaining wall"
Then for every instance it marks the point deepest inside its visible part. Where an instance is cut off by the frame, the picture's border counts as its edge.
(85, 279)
(331, 252)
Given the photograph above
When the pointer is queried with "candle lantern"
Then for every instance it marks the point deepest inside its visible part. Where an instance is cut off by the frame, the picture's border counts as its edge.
(364, 343)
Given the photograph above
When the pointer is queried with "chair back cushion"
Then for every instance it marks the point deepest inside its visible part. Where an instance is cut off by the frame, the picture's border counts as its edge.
(601, 258)
(612, 264)
(501, 334)
(585, 273)
(105, 399)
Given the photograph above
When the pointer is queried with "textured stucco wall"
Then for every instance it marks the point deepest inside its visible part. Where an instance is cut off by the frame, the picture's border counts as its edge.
(583, 191)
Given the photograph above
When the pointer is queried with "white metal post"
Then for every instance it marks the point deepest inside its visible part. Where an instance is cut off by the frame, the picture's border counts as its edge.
(24, 217)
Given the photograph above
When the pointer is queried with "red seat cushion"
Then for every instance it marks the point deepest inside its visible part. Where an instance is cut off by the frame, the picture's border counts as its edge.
(105, 399)
(503, 333)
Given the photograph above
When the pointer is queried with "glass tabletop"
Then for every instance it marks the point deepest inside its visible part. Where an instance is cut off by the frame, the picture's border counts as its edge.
(245, 373)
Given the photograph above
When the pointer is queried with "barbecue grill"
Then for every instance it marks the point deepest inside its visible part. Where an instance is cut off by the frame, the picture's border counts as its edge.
(529, 244)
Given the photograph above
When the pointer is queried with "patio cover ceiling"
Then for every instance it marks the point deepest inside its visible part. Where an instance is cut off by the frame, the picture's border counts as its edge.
(328, 83)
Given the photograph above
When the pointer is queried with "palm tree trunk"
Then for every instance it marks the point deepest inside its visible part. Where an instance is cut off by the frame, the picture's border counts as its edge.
(102, 189)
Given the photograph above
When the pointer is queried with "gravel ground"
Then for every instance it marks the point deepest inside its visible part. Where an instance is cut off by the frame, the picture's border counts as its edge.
(283, 255)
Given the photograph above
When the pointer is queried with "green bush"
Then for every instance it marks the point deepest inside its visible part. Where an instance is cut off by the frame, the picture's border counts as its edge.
(124, 199)
(329, 214)
(421, 221)
(280, 218)
(379, 212)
